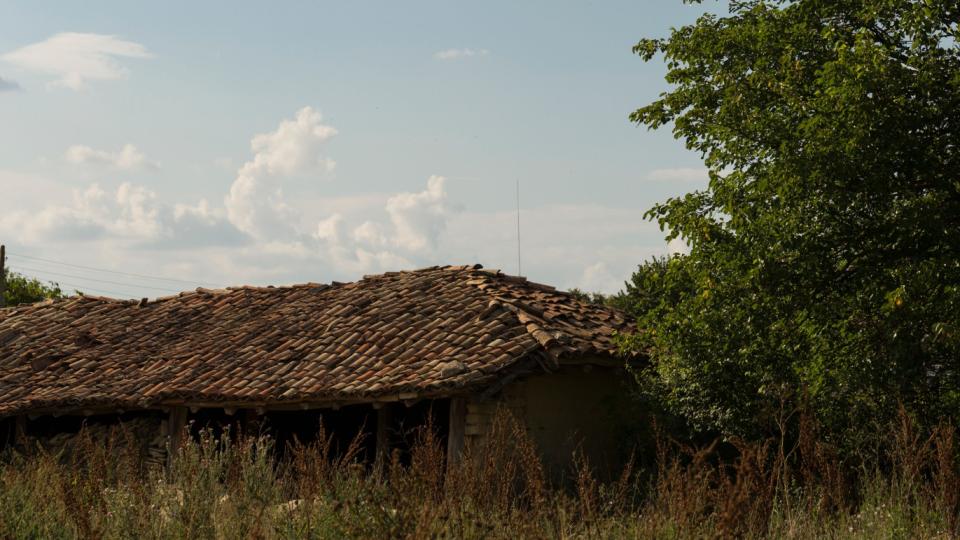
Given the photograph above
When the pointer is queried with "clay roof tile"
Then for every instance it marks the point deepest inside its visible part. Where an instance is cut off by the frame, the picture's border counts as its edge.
(441, 328)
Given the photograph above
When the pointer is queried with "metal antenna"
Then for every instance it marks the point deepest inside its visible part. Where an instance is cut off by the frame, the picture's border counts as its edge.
(519, 268)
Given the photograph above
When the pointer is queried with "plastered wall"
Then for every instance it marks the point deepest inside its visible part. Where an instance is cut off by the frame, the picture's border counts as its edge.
(562, 412)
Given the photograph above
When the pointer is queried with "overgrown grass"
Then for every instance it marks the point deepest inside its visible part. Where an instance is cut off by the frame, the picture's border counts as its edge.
(237, 489)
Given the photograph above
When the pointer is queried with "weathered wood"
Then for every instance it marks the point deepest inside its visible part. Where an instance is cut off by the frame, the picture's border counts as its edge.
(20, 430)
(250, 422)
(176, 424)
(167, 405)
(383, 436)
(456, 433)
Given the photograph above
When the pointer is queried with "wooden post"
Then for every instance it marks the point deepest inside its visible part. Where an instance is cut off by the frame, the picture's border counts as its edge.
(251, 423)
(3, 275)
(383, 436)
(20, 430)
(175, 434)
(458, 423)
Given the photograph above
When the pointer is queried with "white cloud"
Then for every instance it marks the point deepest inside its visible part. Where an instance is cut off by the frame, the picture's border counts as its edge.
(127, 158)
(7, 85)
(598, 277)
(331, 229)
(679, 174)
(456, 54)
(76, 58)
(558, 243)
(200, 225)
(256, 204)
(369, 233)
(419, 218)
(257, 235)
(362, 241)
(131, 216)
(411, 234)
(130, 213)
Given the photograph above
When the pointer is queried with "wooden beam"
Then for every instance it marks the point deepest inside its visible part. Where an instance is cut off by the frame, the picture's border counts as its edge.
(250, 423)
(456, 435)
(20, 430)
(383, 437)
(176, 424)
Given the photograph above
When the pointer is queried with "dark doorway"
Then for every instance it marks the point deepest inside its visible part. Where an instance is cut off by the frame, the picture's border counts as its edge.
(342, 425)
(406, 425)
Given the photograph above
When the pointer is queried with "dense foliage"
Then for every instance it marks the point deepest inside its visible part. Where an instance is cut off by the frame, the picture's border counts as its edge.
(21, 289)
(824, 263)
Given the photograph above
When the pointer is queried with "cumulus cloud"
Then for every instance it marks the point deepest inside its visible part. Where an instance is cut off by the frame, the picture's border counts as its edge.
(256, 204)
(254, 234)
(76, 58)
(457, 54)
(128, 158)
(6, 85)
(406, 228)
(419, 218)
(131, 215)
(414, 224)
(598, 278)
(679, 174)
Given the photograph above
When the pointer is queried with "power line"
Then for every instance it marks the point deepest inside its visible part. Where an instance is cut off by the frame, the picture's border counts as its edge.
(134, 285)
(142, 276)
(79, 288)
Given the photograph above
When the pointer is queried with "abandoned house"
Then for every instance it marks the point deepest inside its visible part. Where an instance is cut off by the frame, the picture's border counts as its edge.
(379, 354)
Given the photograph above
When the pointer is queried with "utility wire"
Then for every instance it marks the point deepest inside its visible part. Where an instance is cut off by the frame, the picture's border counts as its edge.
(142, 276)
(79, 288)
(133, 285)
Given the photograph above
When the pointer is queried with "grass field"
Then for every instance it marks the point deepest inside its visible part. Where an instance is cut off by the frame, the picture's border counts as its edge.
(240, 490)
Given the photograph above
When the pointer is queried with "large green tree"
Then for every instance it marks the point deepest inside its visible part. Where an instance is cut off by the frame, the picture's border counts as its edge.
(824, 260)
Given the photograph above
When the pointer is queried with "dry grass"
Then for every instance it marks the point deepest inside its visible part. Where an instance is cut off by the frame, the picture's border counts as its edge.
(237, 489)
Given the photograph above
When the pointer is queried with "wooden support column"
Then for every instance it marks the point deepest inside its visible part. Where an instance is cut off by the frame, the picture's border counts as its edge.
(458, 423)
(20, 430)
(250, 422)
(383, 436)
(175, 431)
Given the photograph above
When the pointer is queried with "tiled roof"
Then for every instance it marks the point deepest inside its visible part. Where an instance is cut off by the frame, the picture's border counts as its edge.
(425, 332)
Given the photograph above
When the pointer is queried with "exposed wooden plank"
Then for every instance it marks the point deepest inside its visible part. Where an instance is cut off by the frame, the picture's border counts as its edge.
(251, 422)
(383, 436)
(166, 405)
(297, 405)
(458, 423)
(20, 430)
(176, 424)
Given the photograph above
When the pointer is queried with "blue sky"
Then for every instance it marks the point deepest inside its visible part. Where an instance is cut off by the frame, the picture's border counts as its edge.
(232, 142)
